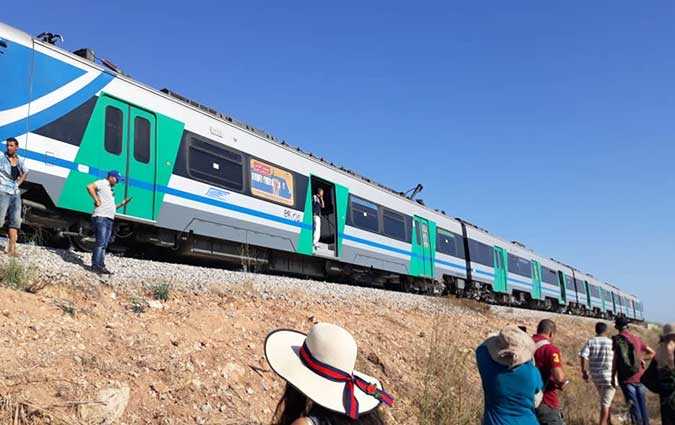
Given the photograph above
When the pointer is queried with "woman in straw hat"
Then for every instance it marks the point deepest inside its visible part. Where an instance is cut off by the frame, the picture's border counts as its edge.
(511, 382)
(322, 386)
(660, 376)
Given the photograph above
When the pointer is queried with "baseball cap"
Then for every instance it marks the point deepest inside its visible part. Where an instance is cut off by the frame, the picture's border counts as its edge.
(114, 173)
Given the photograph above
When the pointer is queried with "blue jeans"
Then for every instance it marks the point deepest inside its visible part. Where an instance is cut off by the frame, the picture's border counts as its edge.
(637, 402)
(103, 229)
(10, 206)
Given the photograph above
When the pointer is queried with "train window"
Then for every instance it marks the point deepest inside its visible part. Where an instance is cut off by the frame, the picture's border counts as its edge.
(449, 243)
(141, 140)
(394, 225)
(113, 130)
(481, 253)
(569, 283)
(215, 165)
(549, 276)
(364, 214)
(581, 287)
(520, 266)
(595, 291)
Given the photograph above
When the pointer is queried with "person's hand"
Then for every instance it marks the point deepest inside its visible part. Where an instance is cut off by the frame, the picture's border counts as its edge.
(97, 202)
(584, 375)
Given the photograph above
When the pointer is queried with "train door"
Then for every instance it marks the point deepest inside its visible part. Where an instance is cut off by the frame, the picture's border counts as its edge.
(129, 141)
(424, 242)
(536, 280)
(563, 287)
(328, 231)
(589, 304)
(500, 263)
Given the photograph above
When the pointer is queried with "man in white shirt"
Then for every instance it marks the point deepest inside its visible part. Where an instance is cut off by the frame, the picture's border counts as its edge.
(317, 206)
(102, 193)
(596, 357)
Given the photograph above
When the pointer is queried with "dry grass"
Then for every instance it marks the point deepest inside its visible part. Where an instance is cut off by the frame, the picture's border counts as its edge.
(447, 398)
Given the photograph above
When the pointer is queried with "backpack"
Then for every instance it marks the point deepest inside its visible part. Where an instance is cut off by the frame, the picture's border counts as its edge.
(628, 363)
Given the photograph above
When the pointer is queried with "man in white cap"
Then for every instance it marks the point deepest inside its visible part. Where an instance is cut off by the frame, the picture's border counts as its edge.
(512, 385)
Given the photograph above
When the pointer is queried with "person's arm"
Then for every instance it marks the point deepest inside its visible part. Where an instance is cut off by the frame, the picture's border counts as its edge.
(91, 188)
(24, 173)
(584, 371)
(615, 369)
(558, 377)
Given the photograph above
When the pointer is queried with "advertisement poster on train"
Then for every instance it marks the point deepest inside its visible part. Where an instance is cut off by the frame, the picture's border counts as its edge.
(270, 182)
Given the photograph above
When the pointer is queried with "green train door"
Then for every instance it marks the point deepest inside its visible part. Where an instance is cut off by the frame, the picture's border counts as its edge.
(129, 147)
(424, 247)
(536, 280)
(500, 261)
(562, 282)
(140, 173)
(589, 304)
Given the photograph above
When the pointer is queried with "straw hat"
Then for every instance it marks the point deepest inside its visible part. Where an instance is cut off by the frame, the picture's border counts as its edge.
(321, 365)
(511, 347)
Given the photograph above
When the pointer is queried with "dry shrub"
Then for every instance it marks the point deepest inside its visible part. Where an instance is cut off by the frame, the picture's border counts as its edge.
(447, 396)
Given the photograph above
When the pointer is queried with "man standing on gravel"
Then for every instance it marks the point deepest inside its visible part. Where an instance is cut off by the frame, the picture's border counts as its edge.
(102, 219)
(630, 356)
(596, 357)
(549, 362)
(13, 172)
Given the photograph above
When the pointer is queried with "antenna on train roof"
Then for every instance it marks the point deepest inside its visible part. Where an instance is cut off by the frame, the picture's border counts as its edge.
(415, 190)
(51, 38)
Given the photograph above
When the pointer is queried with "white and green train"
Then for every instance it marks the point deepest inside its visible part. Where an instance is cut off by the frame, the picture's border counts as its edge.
(206, 185)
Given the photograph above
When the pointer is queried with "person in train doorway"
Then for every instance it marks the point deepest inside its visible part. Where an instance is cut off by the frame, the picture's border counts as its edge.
(317, 206)
(630, 357)
(102, 193)
(548, 360)
(13, 172)
(596, 357)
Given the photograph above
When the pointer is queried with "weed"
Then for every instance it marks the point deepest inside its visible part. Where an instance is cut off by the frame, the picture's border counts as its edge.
(138, 305)
(160, 292)
(14, 275)
(447, 398)
(66, 307)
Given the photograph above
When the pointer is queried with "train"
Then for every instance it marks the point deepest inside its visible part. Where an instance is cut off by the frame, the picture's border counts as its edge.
(205, 185)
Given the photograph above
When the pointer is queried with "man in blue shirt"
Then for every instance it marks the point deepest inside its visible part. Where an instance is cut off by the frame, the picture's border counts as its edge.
(13, 172)
(511, 382)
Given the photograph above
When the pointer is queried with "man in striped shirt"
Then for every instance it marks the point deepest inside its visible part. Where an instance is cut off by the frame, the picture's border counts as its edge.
(597, 356)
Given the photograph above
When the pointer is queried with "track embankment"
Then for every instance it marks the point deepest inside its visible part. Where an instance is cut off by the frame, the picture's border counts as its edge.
(173, 344)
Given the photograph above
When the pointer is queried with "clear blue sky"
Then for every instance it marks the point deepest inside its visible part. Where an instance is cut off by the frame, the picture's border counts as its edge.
(552, 124)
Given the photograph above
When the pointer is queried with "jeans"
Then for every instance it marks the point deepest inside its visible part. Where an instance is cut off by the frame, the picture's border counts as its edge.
(103, 229)
(10, 205)
(636, 399)
(549, 416)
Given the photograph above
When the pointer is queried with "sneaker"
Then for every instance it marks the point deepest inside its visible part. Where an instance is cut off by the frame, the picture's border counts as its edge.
(100, 270)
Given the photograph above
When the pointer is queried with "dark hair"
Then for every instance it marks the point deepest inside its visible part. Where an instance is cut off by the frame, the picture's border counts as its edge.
(600, 328)
(294, 404)
(546, 326)
(12, 140)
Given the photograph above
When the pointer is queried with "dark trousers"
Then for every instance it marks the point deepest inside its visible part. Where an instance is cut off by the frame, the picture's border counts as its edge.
(637, 403)
(103, 230)
(549, 416)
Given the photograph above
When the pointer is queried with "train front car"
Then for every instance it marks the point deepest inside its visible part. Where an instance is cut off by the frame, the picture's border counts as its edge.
(16, 58)
(48, 97)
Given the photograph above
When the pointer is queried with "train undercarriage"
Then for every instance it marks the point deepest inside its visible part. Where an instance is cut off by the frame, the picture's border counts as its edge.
(44, 224)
